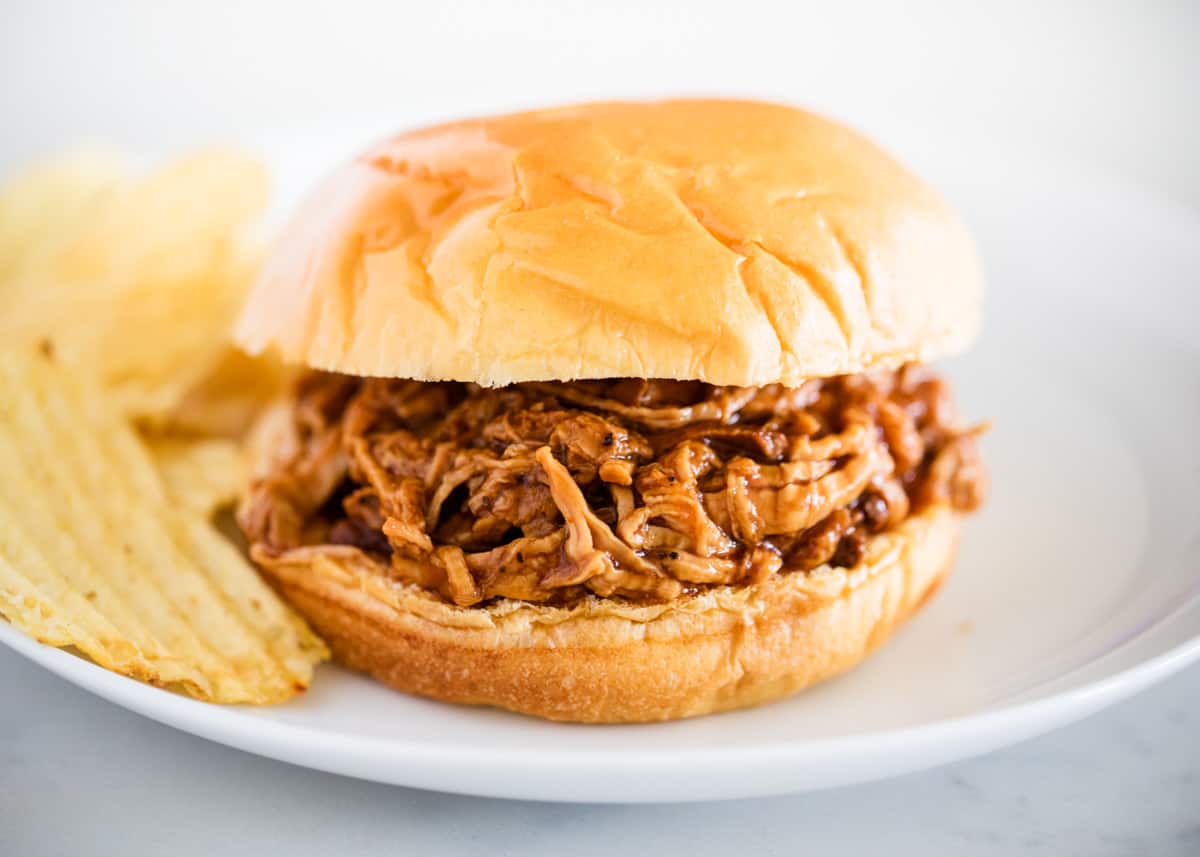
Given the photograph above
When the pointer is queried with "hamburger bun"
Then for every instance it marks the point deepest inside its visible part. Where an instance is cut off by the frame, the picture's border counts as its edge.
(607, 661)
(731, 242)
(734, 243)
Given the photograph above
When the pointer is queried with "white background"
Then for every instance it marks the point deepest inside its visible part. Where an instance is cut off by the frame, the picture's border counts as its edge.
(1110, 84)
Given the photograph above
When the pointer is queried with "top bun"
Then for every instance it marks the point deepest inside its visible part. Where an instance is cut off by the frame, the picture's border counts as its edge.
(731, 242)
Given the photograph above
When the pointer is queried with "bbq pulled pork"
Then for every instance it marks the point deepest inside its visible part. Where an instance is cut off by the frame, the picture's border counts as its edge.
(636, 489)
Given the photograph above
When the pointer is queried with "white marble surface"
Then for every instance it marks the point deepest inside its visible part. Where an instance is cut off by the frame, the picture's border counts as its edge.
(80, 776)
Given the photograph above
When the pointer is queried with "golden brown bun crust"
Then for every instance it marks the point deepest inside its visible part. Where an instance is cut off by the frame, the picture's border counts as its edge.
(607, 662)
(731, 242)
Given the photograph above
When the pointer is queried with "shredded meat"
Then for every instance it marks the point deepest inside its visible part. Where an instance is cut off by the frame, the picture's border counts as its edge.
(628, 488)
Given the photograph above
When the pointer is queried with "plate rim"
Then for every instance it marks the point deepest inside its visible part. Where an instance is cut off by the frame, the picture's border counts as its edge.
(378, 759)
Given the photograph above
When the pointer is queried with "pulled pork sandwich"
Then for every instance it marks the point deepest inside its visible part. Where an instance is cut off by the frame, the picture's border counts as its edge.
(615, 412)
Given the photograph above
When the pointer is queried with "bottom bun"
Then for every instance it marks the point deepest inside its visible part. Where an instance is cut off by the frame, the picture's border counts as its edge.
(606, 661)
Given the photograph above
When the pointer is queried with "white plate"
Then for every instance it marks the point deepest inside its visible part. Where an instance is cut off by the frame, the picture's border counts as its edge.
(1076, 586)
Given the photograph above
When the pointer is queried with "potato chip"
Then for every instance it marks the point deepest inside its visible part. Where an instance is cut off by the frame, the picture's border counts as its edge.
(200, 475)
(138, 283)
(97, 552)
(48, 199)
(226, 401)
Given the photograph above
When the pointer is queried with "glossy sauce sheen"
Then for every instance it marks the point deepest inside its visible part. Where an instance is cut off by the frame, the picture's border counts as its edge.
(628, 488)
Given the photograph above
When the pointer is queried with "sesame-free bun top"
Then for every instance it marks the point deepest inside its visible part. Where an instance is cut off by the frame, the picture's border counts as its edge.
(732, 242)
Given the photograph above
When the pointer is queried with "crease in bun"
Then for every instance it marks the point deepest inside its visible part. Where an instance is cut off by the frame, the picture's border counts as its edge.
(732, 242)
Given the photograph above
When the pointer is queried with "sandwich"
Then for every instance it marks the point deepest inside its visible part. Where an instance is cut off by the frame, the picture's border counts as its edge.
(617, 412)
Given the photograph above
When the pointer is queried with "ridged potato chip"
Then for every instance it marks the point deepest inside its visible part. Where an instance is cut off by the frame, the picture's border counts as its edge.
(227, 399)
(49, 199)
(199, 474)
(138, 279)
(97, 551)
